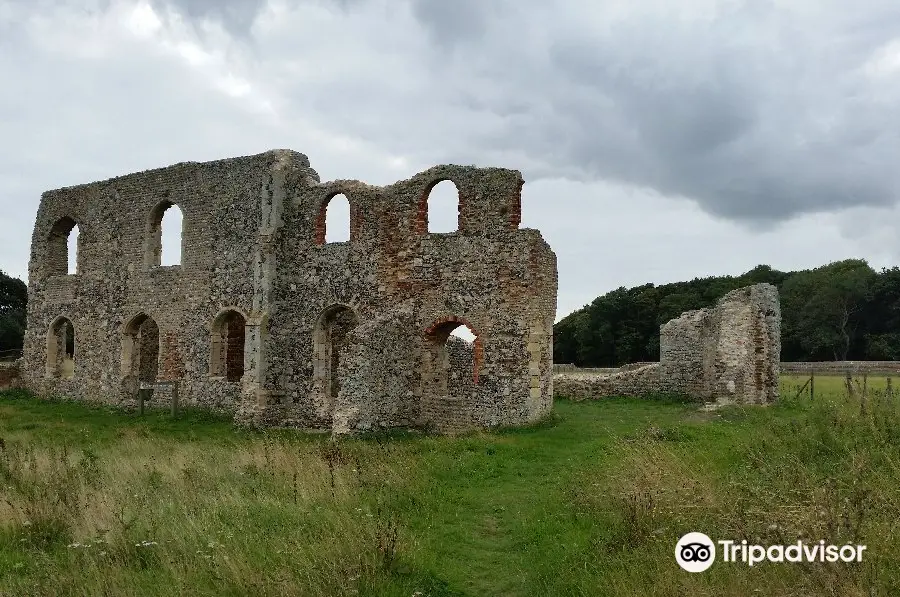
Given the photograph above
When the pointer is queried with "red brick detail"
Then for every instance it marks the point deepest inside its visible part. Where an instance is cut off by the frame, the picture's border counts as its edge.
(421, 221)
(355, 218)
(172, 366)
(515, 218)
(320, 221)
(477, 358)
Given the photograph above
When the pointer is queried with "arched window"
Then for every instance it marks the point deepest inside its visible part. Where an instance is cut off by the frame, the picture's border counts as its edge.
(227, 349)
(62, 248)
(61, 349)
(337, 220)
(140, 349)
(329, 344)
(453, 329)
(334, 223)
(442, 208)
(165, 235)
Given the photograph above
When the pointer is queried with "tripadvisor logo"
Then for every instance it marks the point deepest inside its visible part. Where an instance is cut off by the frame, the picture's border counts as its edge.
(696, 552)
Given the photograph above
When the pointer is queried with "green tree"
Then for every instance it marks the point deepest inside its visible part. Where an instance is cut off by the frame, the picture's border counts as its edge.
(823, 309)
(13, 297)
(882, 339)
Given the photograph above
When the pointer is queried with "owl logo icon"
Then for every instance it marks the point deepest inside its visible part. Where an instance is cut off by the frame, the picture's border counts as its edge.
(695, 552)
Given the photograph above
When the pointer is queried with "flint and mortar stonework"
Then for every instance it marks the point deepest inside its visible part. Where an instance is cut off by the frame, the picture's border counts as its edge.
(593, 386)
(725, 354)
(265, 320)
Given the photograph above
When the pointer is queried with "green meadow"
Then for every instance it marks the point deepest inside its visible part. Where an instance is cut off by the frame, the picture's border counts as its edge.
(591, 501)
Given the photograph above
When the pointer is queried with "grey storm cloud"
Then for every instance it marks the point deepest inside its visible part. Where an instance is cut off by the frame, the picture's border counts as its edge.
(758, 111)
(753, 113)
(750, 129)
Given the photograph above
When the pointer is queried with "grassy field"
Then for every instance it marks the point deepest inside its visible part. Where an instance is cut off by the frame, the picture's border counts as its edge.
(590, 502)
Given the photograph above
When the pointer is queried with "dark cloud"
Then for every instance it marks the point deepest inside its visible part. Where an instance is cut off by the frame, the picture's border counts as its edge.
(744, 112)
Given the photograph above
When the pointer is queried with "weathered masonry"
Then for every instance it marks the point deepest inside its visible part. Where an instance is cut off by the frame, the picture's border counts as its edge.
(725, 354)
(265, 319)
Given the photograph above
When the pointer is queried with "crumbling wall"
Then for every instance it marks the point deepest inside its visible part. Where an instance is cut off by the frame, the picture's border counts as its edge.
(725, 354)
(9, 376)
(388, 377)
(490, 275)
(854, 368)
(641, 381)
(729, 353)
(254, 244)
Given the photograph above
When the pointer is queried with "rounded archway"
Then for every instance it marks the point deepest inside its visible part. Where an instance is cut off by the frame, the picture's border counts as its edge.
(63, 244)
(140, 348)
(227, 345)
(329, 346)
(450, 369)
(454, 329)
(61, 349)
(164, 245)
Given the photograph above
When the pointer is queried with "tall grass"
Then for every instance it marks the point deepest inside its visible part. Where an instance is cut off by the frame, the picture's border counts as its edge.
(590, 502)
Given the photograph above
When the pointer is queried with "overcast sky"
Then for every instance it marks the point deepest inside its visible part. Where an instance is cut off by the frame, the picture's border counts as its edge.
(659, 140)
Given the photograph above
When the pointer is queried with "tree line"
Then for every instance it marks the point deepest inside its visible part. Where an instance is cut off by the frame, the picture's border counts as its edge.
(841, 311)
(13, 299)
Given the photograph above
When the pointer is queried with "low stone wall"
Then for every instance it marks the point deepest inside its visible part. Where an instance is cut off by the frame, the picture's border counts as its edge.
(842, 367)
(635, 382)
(569, 368)
(9, 376)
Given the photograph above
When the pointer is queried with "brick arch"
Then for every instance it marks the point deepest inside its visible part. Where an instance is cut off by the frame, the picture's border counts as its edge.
(56, 259)
(439, 331)
(422, 209)
(321, 223)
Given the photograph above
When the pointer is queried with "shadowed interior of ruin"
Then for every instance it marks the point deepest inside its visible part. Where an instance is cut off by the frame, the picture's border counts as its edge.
(61, 349)
(227, 351)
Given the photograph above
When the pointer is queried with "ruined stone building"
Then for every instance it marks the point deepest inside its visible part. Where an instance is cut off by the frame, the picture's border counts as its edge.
(726, 354)
(265, 319)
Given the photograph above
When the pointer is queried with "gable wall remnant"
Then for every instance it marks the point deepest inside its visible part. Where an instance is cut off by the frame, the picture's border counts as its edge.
(349, 335)
(725, 354)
